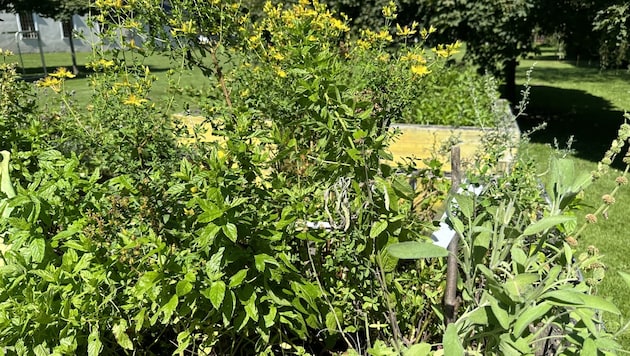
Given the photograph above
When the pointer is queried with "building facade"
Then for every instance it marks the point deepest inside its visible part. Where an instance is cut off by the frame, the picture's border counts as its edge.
(19, 33)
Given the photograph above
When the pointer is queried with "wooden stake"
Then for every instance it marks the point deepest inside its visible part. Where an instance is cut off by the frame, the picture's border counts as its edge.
(452, 269)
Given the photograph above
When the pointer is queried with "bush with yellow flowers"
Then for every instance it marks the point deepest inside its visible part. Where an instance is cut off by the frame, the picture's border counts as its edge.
(269, 236)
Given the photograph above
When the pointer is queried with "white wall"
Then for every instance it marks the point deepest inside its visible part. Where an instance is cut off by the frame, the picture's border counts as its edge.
(50, 32)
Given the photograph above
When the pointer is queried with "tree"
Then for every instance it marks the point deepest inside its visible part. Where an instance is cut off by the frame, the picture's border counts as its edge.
(61, 10)
(613, 25)
(496, 32)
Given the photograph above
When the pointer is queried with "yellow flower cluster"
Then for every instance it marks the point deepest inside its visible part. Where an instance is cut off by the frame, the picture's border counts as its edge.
(62, 73)
(115, 4)
(101, 64)
(370, 39)
(406, 31)
(390, 11)
(448, 50)
(426, 32)
(134, 100)
(55, 80)
(5, 52)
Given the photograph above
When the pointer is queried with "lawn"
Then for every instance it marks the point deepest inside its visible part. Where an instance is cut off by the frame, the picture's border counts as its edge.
(581, 102)
(587, 104)
(159, 65)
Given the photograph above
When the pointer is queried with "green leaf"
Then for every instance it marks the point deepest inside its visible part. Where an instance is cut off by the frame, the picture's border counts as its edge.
(38, 249)
(418, 349)
(83, 263)
(261, 259)
(215, 293)
(146, 282)
(402, 187)
(416, 250)
(120, 333)
(94, 343)
(169, 308)
(499, 313)
(331, 321)
(183, 287)
(599, 303)
(183, 341)
(529, 316)
(588, 348)
(270, 317)
(377, 228)
(238, 278)
(207, 235)
(451, 342)
(546, 223)
(251, 309)
(465, 204)
(520, 283)
(230, 231)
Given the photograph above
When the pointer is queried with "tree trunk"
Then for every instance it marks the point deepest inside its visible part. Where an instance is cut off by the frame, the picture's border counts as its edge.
(509, 72)
(75, 68)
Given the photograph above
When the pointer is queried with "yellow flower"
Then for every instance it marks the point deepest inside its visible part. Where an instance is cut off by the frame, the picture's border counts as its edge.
(404, 31)
(420, 70)
(62, 72)
(389, 11)
(446, 51)
(134, 100)
(426, 32)
(281, 73)
(186, 28)
(413, 57)
(50, 82)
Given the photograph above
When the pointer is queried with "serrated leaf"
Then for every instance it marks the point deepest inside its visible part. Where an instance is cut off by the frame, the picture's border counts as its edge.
(216, 293)
(207, 235)
(38, 249)
(416, 250)
(183, 287)
(120, 333)
(451, 342)
(83, 263)
(377, 228)
(546, 223)
(230, 231)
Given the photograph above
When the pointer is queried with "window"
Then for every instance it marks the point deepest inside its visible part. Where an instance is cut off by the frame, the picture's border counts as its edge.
(66, 28)
(27, 25)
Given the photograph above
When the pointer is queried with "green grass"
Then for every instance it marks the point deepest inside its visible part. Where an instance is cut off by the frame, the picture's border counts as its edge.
(587, 104)
(159, 65)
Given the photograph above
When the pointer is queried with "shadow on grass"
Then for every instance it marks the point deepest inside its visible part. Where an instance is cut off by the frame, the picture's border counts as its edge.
(31, 74)
(591, 120)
